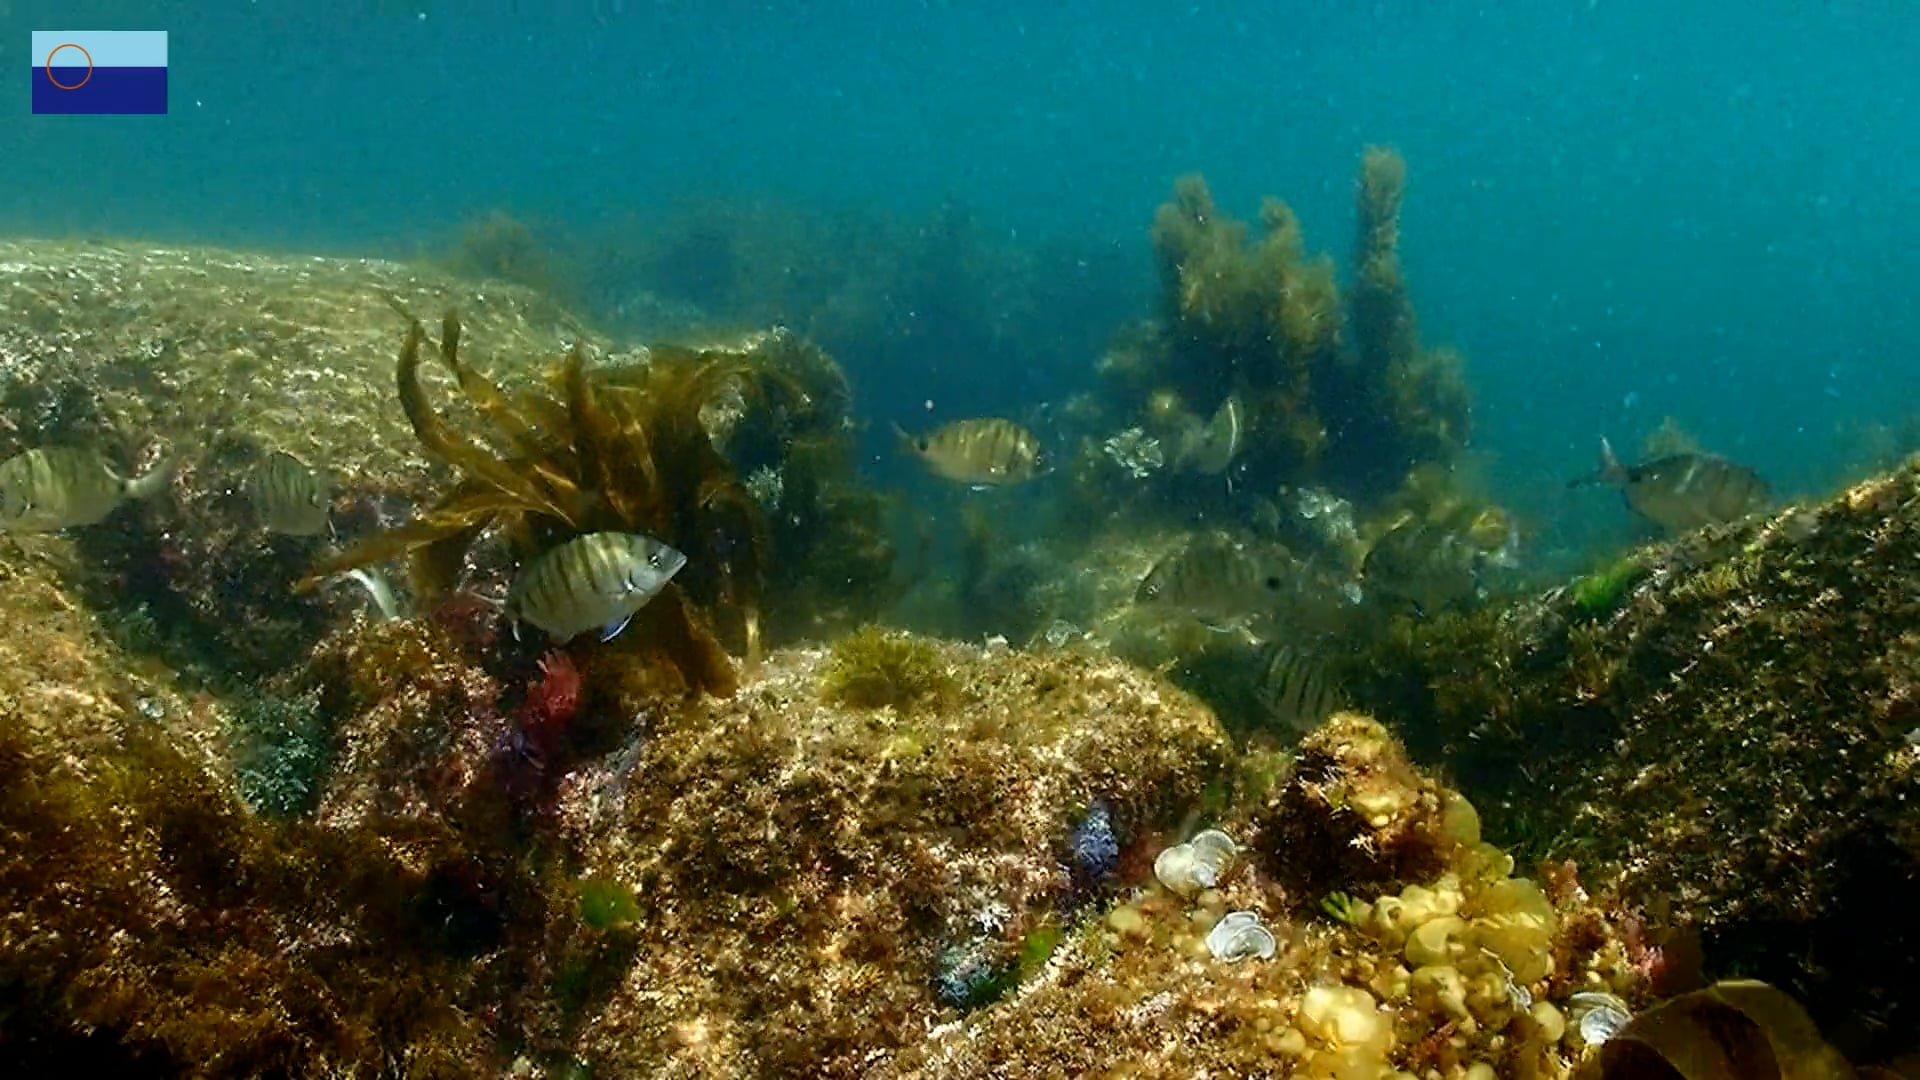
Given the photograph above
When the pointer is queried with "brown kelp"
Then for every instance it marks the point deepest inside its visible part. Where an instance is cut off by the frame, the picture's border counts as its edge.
(623, 448)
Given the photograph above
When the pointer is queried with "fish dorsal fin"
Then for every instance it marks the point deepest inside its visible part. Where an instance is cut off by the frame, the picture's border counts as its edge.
(1609, 472)
(1610, 468)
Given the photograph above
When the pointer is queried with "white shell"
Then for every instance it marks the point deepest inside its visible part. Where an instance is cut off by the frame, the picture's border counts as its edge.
(1200, 863)
(1598, 1016)
(1239, 935)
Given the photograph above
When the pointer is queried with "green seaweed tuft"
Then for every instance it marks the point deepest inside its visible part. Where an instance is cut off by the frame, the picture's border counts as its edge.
(606, 904)
(1601, 593)
(282, 747)
(872, 668)
(1340, 907)
(1037, 947)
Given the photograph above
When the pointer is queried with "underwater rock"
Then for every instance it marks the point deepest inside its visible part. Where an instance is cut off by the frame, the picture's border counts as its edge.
(221, 357)
(846, 874)
(1720, 735)
(770, 884)
(226, 360)
(157, 925)
(1354, 810)
(1455, 975)
(68, 680)
(180, 344)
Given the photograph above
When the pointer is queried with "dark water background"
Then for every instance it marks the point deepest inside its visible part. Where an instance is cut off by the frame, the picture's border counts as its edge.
(1620, 210)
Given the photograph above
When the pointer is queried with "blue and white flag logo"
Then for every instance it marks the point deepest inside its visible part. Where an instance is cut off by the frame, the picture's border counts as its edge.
(99, 72)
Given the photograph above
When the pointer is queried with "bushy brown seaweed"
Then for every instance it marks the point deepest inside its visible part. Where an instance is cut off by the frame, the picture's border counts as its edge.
(1335, 386)
(625, 449)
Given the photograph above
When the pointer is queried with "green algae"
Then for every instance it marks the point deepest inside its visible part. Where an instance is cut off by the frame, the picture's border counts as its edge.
(874, 668)
(1601, 593)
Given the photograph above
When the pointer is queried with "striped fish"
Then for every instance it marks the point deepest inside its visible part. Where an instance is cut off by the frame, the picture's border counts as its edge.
(983, 452)
(54, 488)
(288, 496)
(1683, 492)
(596, 581)
(1220, 580)
(1424, 565)
(1295, 689)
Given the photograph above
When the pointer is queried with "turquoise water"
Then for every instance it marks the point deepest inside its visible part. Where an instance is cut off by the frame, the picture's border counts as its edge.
(1620, 211)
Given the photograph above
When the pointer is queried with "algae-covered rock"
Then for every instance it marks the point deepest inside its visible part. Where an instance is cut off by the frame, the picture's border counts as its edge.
(210, 360)
(772, 884)
(1466, 971)
(1730, 741)
(131, 343)
(66, 686)
(154, 925)
(817, 882)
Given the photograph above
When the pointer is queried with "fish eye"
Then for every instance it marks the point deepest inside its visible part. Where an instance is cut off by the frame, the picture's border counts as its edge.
(1273, 583)
(653, 560)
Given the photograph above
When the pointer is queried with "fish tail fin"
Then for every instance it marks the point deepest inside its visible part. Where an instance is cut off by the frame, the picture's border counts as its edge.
(1609, 472)
(378, 591)
(157, 479)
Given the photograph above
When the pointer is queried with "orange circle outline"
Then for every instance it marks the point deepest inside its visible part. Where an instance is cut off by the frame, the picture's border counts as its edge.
(83, 78)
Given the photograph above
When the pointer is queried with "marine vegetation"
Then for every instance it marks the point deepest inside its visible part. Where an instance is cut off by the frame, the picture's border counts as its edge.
(501, 247)
(872, 668)
(1600, 593)
(1256, 332)
(1737, 1028)
(629, 449)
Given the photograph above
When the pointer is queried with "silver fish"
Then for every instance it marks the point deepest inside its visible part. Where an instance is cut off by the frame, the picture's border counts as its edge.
(288, 496)
(1683, 492)
(596, 581)
(983, 452)
(52, 488)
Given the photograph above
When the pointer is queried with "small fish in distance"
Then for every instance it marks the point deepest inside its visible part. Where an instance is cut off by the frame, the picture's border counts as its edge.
(983, 452)
(288, 496)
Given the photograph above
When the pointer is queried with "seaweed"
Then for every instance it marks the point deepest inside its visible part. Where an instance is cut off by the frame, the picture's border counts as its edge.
(1601, 593)
(873, 668)
(598, 449)
(1336, 384)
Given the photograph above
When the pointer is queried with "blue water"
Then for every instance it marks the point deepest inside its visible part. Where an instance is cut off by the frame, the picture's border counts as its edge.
(1620, 211)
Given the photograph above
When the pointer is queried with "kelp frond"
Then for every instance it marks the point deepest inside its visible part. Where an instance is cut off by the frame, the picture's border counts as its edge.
(535, 490)
(627, 448)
